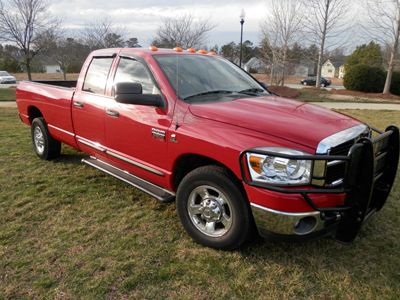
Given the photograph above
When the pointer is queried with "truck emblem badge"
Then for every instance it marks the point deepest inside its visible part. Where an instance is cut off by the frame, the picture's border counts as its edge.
(158, 134)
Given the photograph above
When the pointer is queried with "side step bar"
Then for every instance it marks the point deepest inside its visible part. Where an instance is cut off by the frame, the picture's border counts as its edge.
(143, 185)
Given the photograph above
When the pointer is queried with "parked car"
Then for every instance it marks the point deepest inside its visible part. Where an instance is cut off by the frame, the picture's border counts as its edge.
(195, 128)
(313, 80)
(6, 78)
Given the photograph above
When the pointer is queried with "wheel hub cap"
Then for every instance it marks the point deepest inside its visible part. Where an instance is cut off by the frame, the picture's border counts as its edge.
(211, 210)
(39, 140)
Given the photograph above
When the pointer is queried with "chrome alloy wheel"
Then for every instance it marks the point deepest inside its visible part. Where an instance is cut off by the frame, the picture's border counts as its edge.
(210, 211)
(38, 138)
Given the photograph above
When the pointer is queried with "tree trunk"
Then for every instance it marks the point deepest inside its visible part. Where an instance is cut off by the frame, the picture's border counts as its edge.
(28, 68)
(322, 46)
(64, 73)
(388, 82)
(284, 66)
(393, 52)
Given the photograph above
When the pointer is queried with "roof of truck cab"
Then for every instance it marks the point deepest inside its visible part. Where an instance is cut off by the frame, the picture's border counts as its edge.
(145, 51)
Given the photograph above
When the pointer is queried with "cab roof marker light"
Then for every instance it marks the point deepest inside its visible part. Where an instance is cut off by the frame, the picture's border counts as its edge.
(153, 48)
(191, 50)
(178, 49)
(202, 51)
(212, 53)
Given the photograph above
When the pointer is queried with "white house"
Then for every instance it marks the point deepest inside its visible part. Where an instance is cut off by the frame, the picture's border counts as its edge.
(255, 65)
(52, 69)
(333, 69)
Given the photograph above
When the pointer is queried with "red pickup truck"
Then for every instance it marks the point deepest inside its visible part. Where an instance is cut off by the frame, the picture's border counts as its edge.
(191, 126)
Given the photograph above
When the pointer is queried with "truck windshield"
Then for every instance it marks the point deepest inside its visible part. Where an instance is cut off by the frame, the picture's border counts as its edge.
(200, 78)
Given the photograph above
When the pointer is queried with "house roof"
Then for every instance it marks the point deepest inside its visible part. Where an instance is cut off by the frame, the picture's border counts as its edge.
(335, 63)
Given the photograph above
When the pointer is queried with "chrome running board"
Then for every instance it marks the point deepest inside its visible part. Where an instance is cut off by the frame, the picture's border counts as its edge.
(153, 190)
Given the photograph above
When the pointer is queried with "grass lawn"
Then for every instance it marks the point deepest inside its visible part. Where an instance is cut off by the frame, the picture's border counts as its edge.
(67, 231)
(7, 94)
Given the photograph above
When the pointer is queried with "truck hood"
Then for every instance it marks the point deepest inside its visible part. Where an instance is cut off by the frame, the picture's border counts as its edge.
(298, 122)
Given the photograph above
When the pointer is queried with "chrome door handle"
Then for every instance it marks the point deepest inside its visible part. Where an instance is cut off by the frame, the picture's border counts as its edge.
(112, 113)
(79, 104)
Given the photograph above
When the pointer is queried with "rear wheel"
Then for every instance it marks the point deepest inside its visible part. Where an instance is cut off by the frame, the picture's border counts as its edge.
(212, 208)
(44, 145)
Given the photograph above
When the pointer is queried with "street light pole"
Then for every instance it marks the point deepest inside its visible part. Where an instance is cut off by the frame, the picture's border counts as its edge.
(242, 15)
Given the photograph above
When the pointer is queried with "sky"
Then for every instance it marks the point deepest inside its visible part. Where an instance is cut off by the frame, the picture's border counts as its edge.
(141, 18)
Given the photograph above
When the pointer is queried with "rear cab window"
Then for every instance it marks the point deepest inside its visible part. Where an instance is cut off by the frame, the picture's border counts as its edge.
(97, 74)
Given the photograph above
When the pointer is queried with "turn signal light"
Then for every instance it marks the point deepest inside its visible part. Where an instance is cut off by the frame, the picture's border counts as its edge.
(256, 163)
(153, 48)
(178, 49)
(191, 50)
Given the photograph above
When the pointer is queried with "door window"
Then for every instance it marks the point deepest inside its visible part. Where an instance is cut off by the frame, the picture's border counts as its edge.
(130, 70)
(96, 76)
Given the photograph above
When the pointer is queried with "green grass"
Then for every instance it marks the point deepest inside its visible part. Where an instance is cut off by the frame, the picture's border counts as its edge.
(7, 94)
(68, 231)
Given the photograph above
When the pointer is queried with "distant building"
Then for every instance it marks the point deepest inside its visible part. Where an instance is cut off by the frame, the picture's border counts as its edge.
(255, 65)
(49, 69)
(304, 68)
(333, 69)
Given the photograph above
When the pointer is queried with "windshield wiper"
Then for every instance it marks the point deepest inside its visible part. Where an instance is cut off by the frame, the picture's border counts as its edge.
(251, 91)
(209, 93)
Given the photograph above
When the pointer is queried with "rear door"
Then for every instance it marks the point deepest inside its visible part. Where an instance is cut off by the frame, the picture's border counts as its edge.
(89, 105)
(136, 135)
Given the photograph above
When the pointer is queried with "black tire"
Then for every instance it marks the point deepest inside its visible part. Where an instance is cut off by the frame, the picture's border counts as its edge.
(43, 143)
(215, 179)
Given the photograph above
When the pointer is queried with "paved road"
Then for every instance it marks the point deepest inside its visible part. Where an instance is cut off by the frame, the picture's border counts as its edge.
(299, 86)
(6, 86)
(355, 105)
(8, 104)
(334, 105)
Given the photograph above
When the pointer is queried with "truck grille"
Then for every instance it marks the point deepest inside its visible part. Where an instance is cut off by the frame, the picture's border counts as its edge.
(335, 170)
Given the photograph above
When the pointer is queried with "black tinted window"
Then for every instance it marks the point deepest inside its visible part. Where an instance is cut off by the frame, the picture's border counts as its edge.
(130, 70)
(96, 76)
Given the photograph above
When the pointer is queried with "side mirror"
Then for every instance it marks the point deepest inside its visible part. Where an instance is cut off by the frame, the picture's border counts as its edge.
(132, 93)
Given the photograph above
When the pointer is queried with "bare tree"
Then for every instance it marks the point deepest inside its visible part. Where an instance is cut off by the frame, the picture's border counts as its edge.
(324, 21)
(102, 33)
(280, 31)
(384, 26)
(27, 24)
(183, 31)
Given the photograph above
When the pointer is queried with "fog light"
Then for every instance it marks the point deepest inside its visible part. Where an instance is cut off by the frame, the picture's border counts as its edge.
(305, 225)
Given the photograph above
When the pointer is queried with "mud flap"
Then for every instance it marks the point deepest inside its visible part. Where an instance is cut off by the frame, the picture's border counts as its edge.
(370, 177)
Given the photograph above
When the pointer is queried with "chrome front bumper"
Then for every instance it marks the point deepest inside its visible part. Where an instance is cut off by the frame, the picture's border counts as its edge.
(284, 223)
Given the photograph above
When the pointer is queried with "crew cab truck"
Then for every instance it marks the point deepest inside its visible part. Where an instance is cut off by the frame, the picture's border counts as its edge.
(190, 126)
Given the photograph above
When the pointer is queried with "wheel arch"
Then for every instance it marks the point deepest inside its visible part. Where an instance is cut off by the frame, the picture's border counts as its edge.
(188, 162)
(34, 112)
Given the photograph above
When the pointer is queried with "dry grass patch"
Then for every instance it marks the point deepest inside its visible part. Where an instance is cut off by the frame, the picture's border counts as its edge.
(68, 231)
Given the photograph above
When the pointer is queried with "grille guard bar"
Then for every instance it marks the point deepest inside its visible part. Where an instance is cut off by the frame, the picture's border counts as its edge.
(366, 187)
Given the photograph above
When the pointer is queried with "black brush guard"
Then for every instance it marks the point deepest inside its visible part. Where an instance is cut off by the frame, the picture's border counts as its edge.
(371, 168)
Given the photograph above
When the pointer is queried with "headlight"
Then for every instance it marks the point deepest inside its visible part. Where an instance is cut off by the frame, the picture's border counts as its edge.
(278, 170)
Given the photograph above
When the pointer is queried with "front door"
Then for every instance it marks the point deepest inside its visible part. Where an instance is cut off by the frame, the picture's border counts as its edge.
(136, 135)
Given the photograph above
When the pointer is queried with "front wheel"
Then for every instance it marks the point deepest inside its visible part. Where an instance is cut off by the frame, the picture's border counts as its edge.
(212, 208)
(43, 143)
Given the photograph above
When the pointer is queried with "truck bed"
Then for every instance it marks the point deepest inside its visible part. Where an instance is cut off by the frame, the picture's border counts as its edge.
(54, 100)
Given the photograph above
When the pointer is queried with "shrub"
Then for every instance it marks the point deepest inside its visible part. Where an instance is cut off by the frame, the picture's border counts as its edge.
(364, 78)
